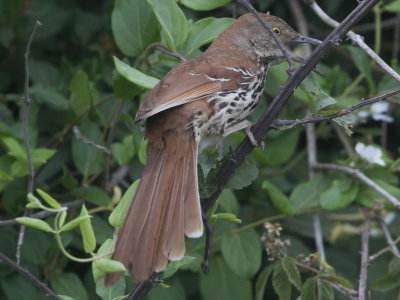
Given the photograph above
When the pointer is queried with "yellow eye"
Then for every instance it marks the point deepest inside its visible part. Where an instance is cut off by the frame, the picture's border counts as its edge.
(276, 30)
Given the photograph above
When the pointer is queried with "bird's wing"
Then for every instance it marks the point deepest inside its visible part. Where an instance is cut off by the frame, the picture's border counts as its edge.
(188, 82)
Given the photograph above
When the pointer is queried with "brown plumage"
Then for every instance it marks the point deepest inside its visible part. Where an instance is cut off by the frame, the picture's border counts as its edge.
(197, 100)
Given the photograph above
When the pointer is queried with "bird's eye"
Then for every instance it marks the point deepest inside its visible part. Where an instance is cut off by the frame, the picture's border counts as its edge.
(276, 30)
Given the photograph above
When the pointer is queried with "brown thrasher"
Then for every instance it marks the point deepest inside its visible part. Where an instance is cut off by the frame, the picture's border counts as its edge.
(209, 96)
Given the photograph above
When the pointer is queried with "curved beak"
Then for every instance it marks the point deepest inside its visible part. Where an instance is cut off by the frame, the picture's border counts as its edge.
(306, 39)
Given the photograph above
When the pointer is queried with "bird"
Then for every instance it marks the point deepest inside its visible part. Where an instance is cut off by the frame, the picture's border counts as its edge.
(198, 101)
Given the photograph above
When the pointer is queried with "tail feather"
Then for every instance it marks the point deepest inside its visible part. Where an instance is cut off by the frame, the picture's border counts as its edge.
(165, 207)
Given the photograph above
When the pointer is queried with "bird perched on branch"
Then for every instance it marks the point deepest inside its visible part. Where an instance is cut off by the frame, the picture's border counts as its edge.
(198, 100)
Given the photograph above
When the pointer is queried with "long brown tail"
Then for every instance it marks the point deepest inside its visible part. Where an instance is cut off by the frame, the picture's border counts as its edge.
(166, 206)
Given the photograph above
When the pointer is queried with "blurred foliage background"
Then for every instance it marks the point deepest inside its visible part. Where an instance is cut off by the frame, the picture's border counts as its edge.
(74, 87)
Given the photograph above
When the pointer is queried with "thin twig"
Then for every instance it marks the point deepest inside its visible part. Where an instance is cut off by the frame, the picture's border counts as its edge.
(28, 275)
(362, 288)
(361, 177)
(27, 143)
(86, 141)
(344, 111)
(43, 214)
(388, 237)
(278, 42)
(356, 38)
(344, 138)
(383, 251)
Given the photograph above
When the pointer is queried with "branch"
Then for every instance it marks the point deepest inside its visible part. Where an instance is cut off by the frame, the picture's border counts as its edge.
(383, 251)
(43, 214)
(388, 237)
(267, 119)
(28, 275)
(363, 178)
(344, 111)
(364, 259)
(356, 38)
(27, 143)
(86, 141)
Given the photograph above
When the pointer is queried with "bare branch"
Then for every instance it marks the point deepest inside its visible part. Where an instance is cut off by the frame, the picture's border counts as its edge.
(364, 259)
(86, 141)
(28, 275)
(356, 38)
(383, 251)
(388, 237)
(343, 112)
(361, 177)
(27, 143)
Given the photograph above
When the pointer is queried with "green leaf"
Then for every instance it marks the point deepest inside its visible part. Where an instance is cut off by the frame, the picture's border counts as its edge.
(325, 291)
(106, 247)
(281, 283)
(281, 147)
(35, 223)
(61, 220)
(51, 97)
(228, 202)
(308, 291)
(363, 64)
(14, 148)
(68, 284)
(307, 195)
(172, 20)
(83, 93)
(134, 75)
(123, 152)
(244, 175)
(174, 266)
(391, 279)
(74, 223)
(289, 265)
(204, 4)
(279, 200)
(393, 7)
(134, 26)
(262, 281)
(316, 97)
(227, 217)
(205, 31)
(242, 252)
(113, 292)
(88, 237)
(108, 265)
(41, 155)
(95, 195)
(339, 195)
(63, 297)
(117, 217)
(232, 287)
(49, 200)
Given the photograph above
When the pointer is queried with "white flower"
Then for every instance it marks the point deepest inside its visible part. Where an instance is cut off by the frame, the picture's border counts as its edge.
(379, 110)
(370, 153)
